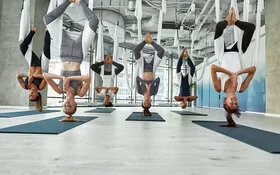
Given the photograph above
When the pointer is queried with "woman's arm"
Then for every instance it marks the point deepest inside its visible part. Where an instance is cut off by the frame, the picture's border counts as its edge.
(20, 79)
(43, 84)
(115, 89)
(215, 79)
(82, 90)
(49, 79)
(251, 72)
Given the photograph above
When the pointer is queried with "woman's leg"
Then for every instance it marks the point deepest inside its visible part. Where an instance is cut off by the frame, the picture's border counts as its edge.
(248, 29)
(26, 42)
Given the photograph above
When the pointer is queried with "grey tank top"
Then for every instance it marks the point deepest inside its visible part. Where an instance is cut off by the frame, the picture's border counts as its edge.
(74, 84)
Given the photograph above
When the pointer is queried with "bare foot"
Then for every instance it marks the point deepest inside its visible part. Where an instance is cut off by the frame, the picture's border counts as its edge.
(233, 18)
(34, 29)
(229, 16)
(185, 53)
(148, 38)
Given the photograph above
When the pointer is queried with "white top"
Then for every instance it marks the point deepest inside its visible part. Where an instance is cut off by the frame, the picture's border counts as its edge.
(108, 81)
(156, 63)
(229, 60)
(231, 63)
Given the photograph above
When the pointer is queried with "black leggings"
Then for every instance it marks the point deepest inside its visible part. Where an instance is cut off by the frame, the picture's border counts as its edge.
(35, 60)
(247, 27)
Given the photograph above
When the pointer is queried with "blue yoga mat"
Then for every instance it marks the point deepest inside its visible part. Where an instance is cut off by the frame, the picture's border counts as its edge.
(24, 113)
(101, 110)
(48, 126)
(264, 140)
(139, 116)
(189, 113)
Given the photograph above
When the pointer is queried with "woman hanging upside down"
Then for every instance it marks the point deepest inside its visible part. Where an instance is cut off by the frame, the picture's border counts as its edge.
(34, 80)
(184, 94)
(229, 80)
(148, 85)
(71, 81)
(107, 69)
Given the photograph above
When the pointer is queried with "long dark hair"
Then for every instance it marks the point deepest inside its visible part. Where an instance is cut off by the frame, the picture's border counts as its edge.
(38, 102)
(108, 105)
(229, 113)
(146, 110)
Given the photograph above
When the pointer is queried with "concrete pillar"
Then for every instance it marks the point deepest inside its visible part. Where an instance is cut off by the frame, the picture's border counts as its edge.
(272, 25)
(11, 59)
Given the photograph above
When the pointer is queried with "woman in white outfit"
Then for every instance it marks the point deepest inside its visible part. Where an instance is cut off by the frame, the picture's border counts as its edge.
(229, 79)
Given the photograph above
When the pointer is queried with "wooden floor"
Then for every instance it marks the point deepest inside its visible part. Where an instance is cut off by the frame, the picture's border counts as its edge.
(110, 145)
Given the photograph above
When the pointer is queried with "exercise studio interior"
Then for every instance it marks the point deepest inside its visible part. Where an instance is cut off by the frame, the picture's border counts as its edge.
(132, 87)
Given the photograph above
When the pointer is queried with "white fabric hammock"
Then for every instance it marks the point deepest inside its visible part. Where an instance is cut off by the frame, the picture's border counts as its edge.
(25, 28)
(238, 33)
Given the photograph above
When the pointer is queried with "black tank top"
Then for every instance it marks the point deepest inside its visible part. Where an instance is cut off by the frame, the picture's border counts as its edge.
(233, 49)
(36, 82)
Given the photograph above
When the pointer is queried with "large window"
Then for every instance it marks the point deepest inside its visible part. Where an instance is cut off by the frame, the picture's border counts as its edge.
(169, 87)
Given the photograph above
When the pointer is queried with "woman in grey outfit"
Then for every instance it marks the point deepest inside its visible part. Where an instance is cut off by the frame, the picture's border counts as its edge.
(71, 81)
(148, 85)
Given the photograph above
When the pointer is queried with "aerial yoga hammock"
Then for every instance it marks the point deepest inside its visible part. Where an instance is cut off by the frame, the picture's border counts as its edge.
(73, 49)
(184, 79)
(108, 70)
(227, 76)
(33, 81)
(146, 63)
(184, 95)
(148, 85)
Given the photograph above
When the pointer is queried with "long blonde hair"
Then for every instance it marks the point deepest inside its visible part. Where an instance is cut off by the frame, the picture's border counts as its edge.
(38, 102)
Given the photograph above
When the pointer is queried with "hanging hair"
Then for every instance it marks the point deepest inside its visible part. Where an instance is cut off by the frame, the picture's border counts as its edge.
(146, 110)
(183, 106)
(108, 105)
(38, 102)
(231, 111)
